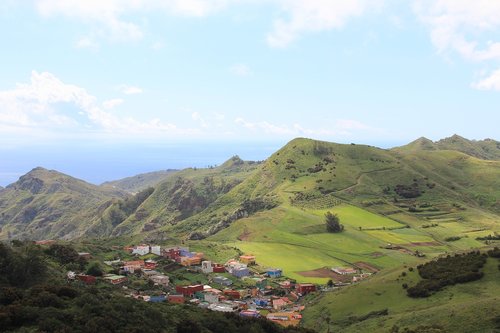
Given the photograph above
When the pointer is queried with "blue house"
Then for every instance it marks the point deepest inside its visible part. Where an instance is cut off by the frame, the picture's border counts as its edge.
(261, 302)
(240, 272)
(274, 273)
(158, 299)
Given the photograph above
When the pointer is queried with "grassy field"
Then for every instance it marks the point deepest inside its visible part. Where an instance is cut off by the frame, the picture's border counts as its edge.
(296, 240)
(470, 307)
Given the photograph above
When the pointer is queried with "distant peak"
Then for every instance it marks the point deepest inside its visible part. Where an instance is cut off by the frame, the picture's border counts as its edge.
(233, 161)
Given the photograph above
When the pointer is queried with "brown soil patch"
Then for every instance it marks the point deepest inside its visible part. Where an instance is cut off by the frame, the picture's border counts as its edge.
(245, 235)
(326, 273)
(423, 244)
(377, 254)
(367, 267)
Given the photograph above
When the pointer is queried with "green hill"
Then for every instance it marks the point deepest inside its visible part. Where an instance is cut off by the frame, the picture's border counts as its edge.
(380, 304)
(141, 181)
(48, 204)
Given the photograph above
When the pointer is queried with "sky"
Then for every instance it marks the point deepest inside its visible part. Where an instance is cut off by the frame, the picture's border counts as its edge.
(103, 89)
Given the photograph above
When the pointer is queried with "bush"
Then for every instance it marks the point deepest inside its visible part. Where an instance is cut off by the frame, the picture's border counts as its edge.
(333, 223)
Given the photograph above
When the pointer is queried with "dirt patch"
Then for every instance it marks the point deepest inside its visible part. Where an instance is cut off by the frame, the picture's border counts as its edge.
(366, 266)
(245, 235)
(326, 273)
(423, 244)
(377, 254)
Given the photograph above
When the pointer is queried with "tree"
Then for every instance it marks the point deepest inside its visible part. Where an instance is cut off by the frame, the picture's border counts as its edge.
(330, 283)
(333, 223)
(95, 269)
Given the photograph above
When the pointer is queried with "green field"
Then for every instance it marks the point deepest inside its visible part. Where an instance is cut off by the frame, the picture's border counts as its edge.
(470, 307)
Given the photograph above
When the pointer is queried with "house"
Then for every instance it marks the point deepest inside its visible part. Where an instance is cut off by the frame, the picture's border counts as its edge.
(128, 249)
(149, 272)
(285, 318)
(84, 255)
(248, 259)
(150, 264)
(344, 270)
(190, 261)
(45, 242)
(211, 297)
(250, 314)
(223, 280)
(232, 294)
(173, 253)
(261, 302)
(160, 279)
(132, 266)
(189, 291)
(305, 288)
(206, 267)
(279, 304)
(178, 299)
(240, 272)
(115, 279)
(286, 284)
(218, 268)
(87, 279)
(274, 272)
(156, 249)
(141, 250)
(157, 299)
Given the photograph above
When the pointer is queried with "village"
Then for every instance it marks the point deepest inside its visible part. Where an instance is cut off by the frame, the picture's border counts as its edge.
(176, 275)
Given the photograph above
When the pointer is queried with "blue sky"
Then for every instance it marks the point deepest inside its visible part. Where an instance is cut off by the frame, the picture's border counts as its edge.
(91, 78)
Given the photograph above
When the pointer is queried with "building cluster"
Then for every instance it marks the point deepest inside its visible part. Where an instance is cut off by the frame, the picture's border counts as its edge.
(235, 286)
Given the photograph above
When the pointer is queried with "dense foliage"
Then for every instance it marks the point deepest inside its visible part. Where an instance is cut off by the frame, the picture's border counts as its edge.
(447, 271)
(333, 223)
(30, 301)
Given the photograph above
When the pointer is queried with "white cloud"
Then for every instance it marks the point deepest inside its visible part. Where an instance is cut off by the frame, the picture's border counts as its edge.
(112, 103)
(86, 43)
(491, 82)
(314, 16)
(129, 90)
(50, 105)
(457, 25)
(341, 127)
(113, 16)
(240, 70)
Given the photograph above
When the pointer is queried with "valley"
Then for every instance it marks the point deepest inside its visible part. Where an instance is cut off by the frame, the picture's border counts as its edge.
(399, 208)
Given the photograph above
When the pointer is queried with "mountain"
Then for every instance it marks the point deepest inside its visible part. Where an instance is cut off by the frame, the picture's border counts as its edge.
(48, 204)
(185, 194)
(141, 181)
(421, 181)
(487, 149)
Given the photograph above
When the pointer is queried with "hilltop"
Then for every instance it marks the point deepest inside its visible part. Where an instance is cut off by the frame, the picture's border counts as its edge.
(48, 204)
(487, 149)
(141, 181)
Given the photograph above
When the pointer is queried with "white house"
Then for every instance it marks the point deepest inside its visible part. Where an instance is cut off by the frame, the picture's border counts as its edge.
(206, 267)
(156, 249)
(160, 279)
(141, 250)
(211, 297)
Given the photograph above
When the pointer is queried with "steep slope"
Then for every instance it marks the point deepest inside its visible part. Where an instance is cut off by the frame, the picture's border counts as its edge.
(141, 181)
(48, 204)
(314, 174)
(184, 194)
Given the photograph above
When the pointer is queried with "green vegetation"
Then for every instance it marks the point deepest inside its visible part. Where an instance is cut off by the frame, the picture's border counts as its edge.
(447, 271)
(34, 296)
(332, 222)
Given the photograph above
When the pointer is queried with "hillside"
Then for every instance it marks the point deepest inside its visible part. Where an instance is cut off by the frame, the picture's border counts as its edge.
(468, 307)
(141, 181)
(48, 204)
(487, 149)
(184, 194)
